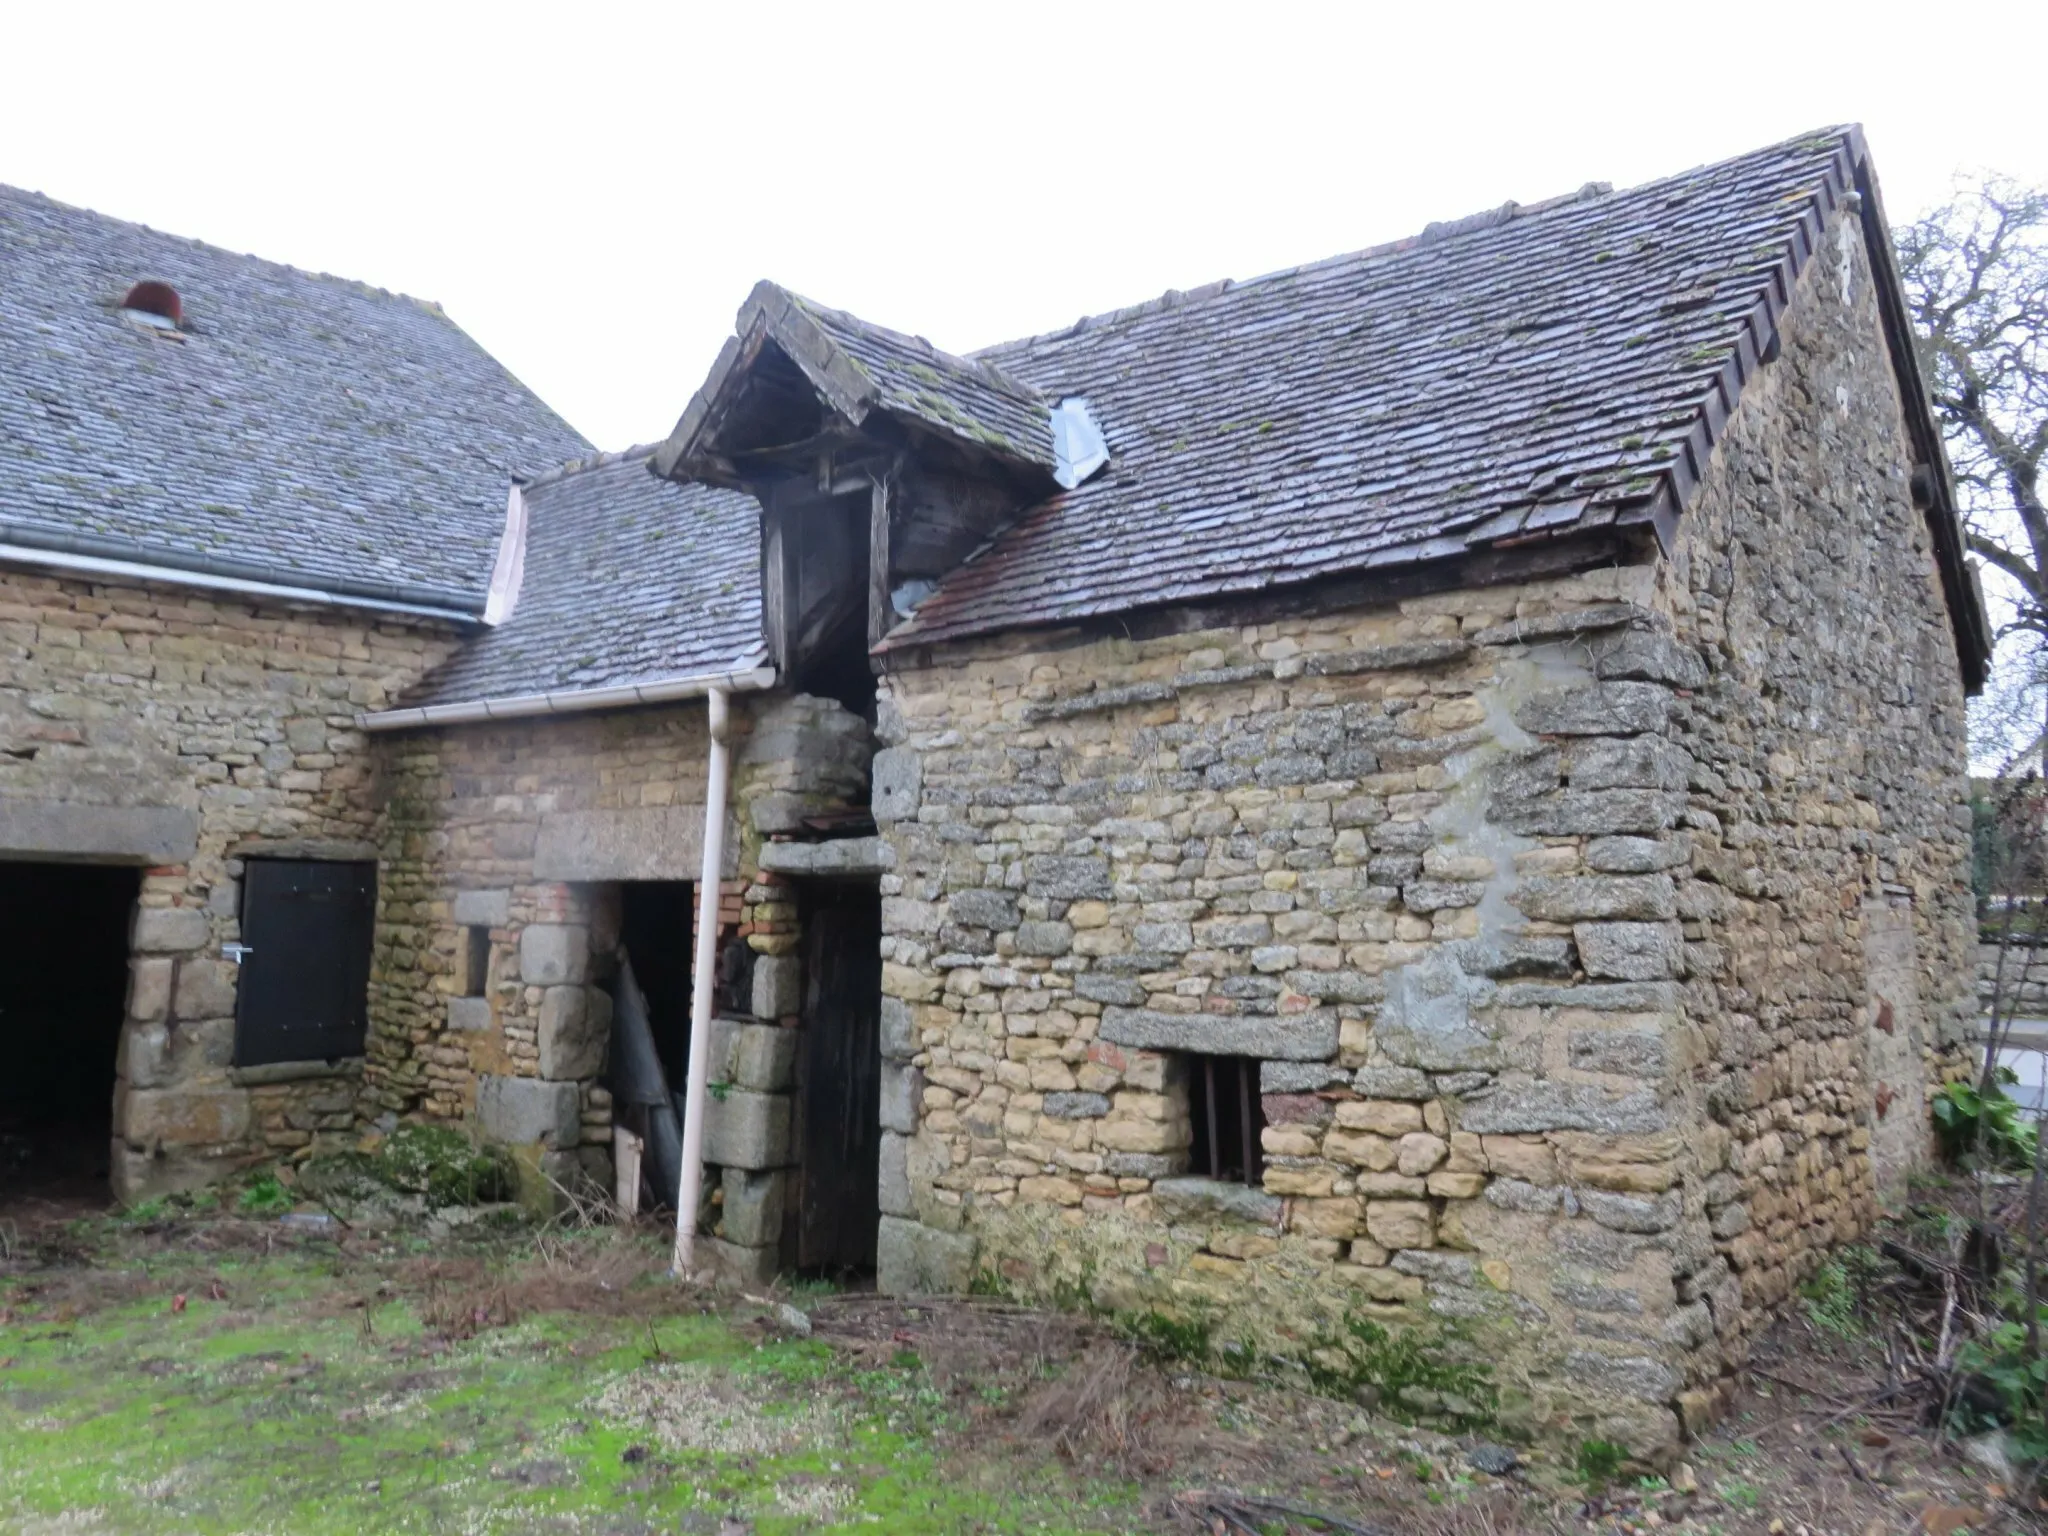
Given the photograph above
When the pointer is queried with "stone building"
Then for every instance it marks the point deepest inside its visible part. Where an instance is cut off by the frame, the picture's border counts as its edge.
(1448, 810)
(1425, 788)
(239, 505)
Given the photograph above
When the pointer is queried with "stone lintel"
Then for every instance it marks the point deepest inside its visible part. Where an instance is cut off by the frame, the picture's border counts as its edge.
(1299, 1037)
(842, 857)
(112, 834)
(1559, 626)
(483, 909)
(653, 842)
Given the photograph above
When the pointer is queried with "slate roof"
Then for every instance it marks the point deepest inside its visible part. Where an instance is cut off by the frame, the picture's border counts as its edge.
(1538, 371)
(969, 398)
(629, 579)
(857, 367)
(305, 429)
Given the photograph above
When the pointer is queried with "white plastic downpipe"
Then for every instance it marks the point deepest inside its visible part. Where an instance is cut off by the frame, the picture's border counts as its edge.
(690, 1186)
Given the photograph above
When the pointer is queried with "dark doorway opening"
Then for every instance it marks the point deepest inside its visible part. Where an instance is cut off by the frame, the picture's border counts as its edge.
(64, 952)
(839, 1126)
(656, 921)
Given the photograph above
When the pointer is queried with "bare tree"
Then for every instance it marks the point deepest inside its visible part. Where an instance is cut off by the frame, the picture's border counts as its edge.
(1976, 275)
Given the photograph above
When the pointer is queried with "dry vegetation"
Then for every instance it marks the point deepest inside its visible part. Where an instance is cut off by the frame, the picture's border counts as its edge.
(582, 1386)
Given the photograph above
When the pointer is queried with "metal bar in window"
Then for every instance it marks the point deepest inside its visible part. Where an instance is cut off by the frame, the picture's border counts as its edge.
(1215, 1130)
(1245, 1070)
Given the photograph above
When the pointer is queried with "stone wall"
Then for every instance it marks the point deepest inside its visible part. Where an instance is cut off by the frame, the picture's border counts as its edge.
(524, 829)
(1545, 910)
(182, 732)
(1830, 922)
(1344, 847)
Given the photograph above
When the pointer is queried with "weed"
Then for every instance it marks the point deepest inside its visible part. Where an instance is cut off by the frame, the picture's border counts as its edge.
(265, 1196)
(1986, 1127)
(1740, 1493)
(1597, 1462)
(444, 1165)
(1414, 1370)
(1172, 1338)
(2019, 1377)
(1836, 1298)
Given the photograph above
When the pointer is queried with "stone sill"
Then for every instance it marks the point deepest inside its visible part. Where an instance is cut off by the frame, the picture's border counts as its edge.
(294, 1072)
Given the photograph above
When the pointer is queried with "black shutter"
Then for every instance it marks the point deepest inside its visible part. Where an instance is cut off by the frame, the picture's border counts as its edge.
(303, 993)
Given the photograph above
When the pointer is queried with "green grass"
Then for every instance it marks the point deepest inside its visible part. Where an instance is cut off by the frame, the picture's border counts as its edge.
(280, 1408)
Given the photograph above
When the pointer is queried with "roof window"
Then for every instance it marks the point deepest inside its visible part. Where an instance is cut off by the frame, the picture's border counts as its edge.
(154, 304)
(1078, 447)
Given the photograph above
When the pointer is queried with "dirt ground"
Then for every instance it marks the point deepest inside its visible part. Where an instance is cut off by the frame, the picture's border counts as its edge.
(219, 1371)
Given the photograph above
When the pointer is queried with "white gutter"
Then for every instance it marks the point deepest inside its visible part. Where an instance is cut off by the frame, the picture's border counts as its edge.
(691, 1185)
(163, 575)
(570, 701)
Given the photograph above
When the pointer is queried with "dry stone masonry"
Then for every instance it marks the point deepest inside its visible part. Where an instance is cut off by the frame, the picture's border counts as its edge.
(1546, 912)
(184, 735)
(527, 828)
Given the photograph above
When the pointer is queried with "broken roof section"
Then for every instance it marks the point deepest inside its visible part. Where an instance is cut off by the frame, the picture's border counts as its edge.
(628, 580)
(1543, 373)
(294, 428)
(785, 348)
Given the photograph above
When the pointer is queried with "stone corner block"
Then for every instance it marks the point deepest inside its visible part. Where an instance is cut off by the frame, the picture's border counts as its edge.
(900, 1034)
(138, 1175)
(180, 1117)
(778, 986)
(574, 1034)
(902, 1093)
(736, 1265)
(170, 930)
(747, 1130)
(205, 989)
(893, 1187)
(898, 778)
(483, 909)
(520, 1111)
(469, 1013)
(912, 1259)
(149, 988)
(752, 1205)
(551, 954)
(761, 1057)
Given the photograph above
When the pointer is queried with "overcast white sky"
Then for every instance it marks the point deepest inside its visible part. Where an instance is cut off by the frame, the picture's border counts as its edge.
(591, 189)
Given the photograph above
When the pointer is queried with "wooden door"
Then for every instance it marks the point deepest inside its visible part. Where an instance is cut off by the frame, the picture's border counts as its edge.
(839, 1084)
(303, 991)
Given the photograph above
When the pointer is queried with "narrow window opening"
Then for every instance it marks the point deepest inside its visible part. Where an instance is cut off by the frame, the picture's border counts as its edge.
(476, 961)
(1227, 1119)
